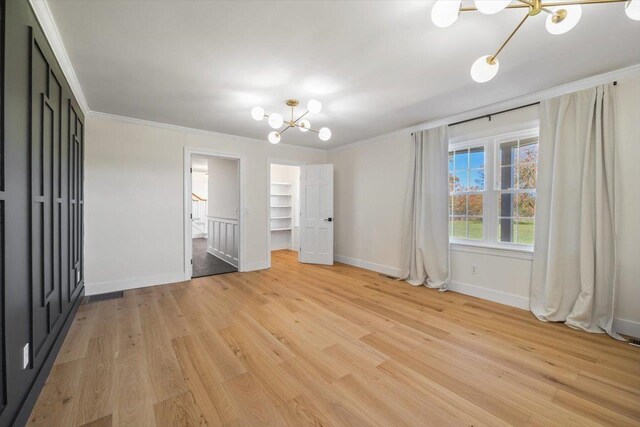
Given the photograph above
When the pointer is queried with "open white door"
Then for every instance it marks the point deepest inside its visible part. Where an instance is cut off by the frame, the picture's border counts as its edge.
(316, 214)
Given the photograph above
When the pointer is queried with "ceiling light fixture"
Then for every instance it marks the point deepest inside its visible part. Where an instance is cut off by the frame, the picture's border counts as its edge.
(562, 17)
(276, 121)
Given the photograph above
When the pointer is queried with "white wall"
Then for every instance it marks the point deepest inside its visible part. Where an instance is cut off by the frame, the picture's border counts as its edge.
(134, 199)
(371, 181)
(224, 188)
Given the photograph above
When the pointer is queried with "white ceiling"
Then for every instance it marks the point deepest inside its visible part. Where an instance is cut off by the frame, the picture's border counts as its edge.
(376, 66)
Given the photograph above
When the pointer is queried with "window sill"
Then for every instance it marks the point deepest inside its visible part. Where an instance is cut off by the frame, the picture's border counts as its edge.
(493, 250)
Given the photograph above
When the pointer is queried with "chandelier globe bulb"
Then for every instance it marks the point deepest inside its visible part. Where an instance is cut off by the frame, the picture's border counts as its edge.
(444, 13)
(324, 134)
(485, 68)
(632, 9)
(274, 137)
(275, 120)
(563, 19)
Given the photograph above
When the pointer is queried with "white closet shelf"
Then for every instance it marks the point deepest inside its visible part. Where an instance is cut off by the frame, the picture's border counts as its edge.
(281, 229)
(280, 195)
(280, 183)
(281, 206)
(280, 217)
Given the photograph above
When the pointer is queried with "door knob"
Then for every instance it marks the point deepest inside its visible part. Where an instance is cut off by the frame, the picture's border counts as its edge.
(328, 219)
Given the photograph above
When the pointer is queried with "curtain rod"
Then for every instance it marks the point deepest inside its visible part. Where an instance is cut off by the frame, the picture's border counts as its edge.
(615, 83)
(493, 114)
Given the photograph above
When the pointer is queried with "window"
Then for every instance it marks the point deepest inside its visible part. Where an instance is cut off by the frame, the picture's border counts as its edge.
(466, 187)
(492, 189)
(516, 176)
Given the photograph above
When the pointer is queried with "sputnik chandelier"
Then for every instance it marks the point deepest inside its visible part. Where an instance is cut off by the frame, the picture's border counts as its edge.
(276, 121)
(562, 16)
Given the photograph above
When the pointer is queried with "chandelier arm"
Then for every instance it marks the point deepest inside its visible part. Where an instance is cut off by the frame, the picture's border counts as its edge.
(510, 6)
(283, 130)
(586, 2)
(296, 120)
(495, 55)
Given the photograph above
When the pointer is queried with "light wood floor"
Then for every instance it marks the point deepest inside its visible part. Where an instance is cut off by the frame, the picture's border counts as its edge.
(311, 345)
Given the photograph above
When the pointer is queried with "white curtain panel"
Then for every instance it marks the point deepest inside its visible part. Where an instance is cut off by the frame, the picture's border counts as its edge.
(574, 261)
(426, 237)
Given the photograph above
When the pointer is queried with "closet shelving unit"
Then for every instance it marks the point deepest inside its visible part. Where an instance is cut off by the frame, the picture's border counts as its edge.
(281, 206)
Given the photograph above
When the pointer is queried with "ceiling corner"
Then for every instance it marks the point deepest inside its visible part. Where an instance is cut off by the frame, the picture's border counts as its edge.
(50, 29)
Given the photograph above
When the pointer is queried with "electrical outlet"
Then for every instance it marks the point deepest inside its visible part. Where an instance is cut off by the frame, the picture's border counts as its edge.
(474, 269)
(25, 356)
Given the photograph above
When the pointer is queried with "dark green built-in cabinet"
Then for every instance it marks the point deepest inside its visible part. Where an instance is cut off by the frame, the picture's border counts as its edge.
(41, 209)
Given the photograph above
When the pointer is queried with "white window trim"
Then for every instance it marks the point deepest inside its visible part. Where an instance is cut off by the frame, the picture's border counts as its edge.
(490, 193)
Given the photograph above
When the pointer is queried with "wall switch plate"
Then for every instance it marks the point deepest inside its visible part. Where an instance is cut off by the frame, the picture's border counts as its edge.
(474, 269)
(25, 356)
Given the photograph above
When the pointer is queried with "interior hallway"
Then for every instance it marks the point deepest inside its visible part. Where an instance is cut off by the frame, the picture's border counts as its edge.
(304, 344)
(205, 264)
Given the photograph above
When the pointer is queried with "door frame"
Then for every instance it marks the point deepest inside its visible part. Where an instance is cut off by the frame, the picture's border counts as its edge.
(276, 161)
(187, 242)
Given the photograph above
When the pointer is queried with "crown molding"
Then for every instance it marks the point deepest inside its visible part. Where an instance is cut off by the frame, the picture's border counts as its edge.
(132, 120)
(51, 32)
(503, 105)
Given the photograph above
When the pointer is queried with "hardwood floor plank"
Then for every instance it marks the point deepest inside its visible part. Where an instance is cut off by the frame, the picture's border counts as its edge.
(134, 396)
(309, 345)
(181, 410)
(59, 398)
(164, 372)
(205, 382)
(96, 394)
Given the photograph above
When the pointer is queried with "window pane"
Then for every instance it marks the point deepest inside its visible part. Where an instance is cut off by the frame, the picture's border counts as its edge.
(476, 159)
(526, 205)
(461, 181)
(507, 155)
(527, 175)
(459, 227)
(506, 230)
(462, 160)
(450, 205)
(475, 205)
(450, 161)
(507, 206)
(507, 177)
(477, 180)
(475, 228)
(528, 152)
(452, 182)
(460, 205)
(525, 231)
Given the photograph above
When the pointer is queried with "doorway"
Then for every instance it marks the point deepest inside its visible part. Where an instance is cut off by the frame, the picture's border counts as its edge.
(284, 207)
(213, 214)
(301, 211)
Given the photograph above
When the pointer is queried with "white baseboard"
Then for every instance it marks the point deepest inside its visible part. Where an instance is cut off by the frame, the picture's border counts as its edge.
(627, 327)
(490, 294)
(384, 269)
(140, 282)
(222, 257)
